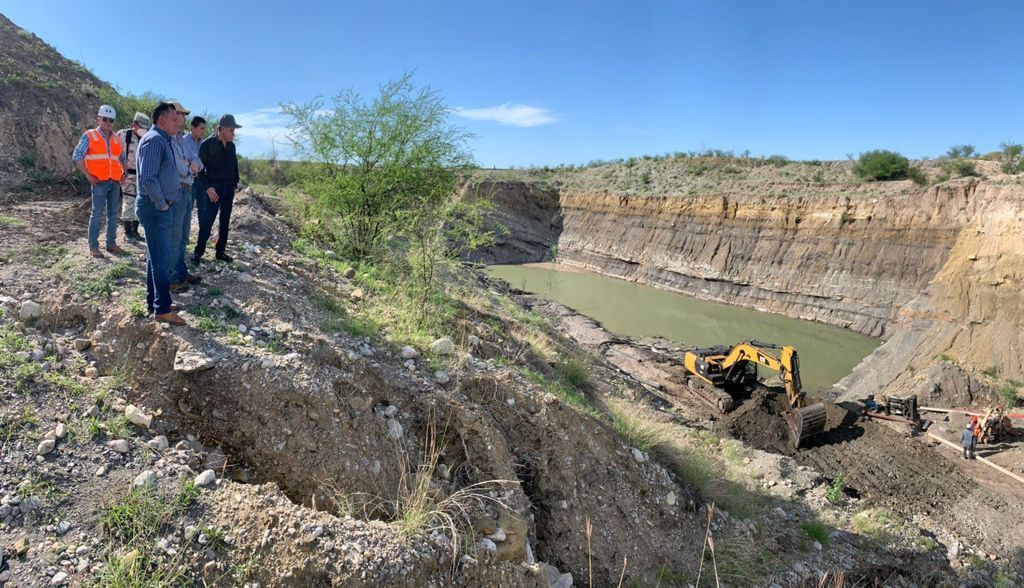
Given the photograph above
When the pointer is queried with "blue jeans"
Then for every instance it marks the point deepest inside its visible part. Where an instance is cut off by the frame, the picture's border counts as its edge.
(158, 244)
(181, 224)
(106, 198)
(198, 193)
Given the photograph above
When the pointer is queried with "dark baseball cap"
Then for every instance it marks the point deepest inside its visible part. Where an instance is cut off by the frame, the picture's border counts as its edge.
(228, 121)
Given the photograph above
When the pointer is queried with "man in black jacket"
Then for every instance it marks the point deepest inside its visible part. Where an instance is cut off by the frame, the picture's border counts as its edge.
(219, 179)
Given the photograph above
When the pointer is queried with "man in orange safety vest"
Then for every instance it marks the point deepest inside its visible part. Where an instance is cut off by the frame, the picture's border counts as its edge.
(101, 157)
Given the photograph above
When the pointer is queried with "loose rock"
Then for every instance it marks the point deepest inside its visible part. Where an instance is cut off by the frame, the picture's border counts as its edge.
(119, 445)
(206, 478)
(46, 446)
(190, 361)
(394, 428)
(145, 479)
(443, 346)
(135, 416)
(30, 310)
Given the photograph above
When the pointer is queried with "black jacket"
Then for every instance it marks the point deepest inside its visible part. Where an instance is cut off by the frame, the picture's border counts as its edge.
(220, 161)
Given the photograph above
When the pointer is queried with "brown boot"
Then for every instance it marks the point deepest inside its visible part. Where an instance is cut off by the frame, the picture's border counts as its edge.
(179, 287)
(96, 253)
(170, 318)
(116, 250)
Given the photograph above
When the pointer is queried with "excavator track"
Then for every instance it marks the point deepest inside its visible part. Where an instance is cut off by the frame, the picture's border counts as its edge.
(714, 397)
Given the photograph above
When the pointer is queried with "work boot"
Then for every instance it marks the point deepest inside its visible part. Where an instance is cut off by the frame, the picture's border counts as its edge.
(193, 279)
(135, 231)
(224, 257)
(96, 253)
(179, 287)
(128, 234)
(170, 318)
(115, 249)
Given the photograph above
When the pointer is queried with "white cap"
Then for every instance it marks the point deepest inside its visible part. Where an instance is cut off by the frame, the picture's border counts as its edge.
(107, 111)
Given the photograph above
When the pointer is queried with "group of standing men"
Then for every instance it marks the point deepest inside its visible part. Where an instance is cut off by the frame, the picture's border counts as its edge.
(169, 173)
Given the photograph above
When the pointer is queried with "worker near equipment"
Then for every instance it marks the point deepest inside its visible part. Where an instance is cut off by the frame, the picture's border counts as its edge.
(131, 137)
(219, 178)
(101, 157)
(870, 403)
(968, 441)
(159, 191)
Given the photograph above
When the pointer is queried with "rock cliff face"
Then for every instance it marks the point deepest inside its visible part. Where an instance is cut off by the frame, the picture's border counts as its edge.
(936, 269)
(526, 217)
(844, 261)
(969, 316)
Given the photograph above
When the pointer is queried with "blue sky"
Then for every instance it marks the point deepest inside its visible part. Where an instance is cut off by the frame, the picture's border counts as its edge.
(567, 82)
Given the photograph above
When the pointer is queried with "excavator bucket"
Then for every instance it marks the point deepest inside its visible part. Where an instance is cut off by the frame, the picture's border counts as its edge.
(805, 423)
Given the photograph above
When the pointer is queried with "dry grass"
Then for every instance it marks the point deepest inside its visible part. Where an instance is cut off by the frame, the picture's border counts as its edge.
(698, 457)
(417, 505)
(873, 522)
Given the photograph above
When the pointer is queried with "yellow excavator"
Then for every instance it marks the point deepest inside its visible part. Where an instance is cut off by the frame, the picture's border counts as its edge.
(722, 366)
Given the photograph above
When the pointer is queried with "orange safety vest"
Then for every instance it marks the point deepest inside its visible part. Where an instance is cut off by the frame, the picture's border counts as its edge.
(101, 162)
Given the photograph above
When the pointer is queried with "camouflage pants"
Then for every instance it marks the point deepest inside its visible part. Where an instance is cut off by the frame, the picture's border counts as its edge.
(128, 201)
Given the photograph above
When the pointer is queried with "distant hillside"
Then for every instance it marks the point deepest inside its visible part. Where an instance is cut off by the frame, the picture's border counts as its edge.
(46, 101)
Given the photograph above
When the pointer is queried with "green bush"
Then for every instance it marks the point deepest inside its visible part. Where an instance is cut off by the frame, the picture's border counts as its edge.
(126, 105)
(959, 167)
(1010, 157)
(1008, 393)
(961, 151)
(573, 371)
(835, 491)
(916, 175)
(816, 531)
(881, 165)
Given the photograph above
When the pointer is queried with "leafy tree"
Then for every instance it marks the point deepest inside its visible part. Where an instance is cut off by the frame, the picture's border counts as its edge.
(881, 165)
(126, 105)
(378, 159)
(961, 152)
(383, 174)
(1010, 156)
(959, 167)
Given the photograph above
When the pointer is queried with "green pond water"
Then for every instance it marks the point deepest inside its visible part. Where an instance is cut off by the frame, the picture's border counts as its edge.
(827, 353)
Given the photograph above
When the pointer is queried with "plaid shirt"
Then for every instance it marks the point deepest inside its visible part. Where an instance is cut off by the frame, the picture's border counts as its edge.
(157, 170)
(83, 145)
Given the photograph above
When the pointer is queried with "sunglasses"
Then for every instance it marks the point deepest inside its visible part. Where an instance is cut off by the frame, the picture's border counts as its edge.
(105, 119)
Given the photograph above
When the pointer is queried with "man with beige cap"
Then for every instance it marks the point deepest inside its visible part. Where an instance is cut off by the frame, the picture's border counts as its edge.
(131, 137)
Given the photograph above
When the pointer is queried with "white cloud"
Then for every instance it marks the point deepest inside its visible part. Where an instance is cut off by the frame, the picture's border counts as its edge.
(264, 130)
(516, 115)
